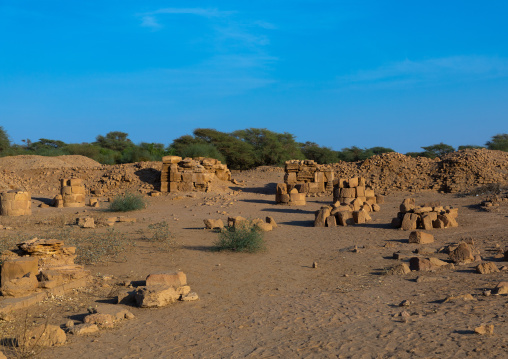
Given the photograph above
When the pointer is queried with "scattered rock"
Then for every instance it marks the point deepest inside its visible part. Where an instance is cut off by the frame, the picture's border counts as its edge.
(399, 269)
(156, 296)
(487, 268)
(43, 335)
(462, 254)
(101, 320)
(213, 223)
(85, 222)
(189, 297)
(420, 237)
(84, 329)
(461, 297)
(173, 279)
(485, 329)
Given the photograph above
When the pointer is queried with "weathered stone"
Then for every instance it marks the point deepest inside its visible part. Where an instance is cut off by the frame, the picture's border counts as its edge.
(345, 218)
(43, 336)
(462, 254)
(101, 320)
(190, 297)
(321, 215)
(407, 205)
(117, 312)
(501, 288)
(84, 329)
(156, 296)
(213, 223)
(487, 268)
(173, 279)
(399, 269)
(85, 222)
(18, 267)
(20, 287)
(420, 237)
(409, 222)
(331, 221)
(485, 329)
(271, 221)
(426, 264)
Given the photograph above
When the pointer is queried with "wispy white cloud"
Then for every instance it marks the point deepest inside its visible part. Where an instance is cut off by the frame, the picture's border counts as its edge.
(194, 11)
(430, 71)
(150, 21)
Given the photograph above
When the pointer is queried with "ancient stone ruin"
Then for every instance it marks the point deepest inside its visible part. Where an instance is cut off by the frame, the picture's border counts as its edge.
(15, 203)
(38, 264)
(72, 192)
(190, 174)
(427, 216)
(308, 177)
(292, 197)
(353, 202)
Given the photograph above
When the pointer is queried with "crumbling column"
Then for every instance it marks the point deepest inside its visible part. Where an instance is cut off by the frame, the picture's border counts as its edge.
(73, 192)
(15, 203)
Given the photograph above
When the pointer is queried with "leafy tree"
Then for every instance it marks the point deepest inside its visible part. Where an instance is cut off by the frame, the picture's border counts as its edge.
(353, 154)
(270, 148)
(239, 154)
(116, 141)
(498, 142)
(202, 150)
(156, 150)
(438, 150)
(322, 155)
(5, 143)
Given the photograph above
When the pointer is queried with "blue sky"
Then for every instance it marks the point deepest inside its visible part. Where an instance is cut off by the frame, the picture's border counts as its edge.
(399, 74)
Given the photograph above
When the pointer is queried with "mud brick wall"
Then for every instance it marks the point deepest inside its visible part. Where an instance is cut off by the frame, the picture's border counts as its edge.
(73, 192)
(308, 177)
(191, 174)
(15, 203)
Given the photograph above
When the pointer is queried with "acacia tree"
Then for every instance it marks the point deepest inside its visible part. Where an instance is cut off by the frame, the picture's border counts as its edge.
(5, 143)
(498, 142)
(438, 150)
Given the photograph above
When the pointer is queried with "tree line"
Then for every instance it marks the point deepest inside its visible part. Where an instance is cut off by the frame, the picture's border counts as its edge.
(242, 149)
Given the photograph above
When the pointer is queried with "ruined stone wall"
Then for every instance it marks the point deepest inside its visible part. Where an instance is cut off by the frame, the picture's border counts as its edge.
(15, 203)
(190, 174)
(73, 192)
(308, 177)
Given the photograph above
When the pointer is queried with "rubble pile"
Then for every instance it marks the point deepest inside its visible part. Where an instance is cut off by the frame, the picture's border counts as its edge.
(353, 202)
(455, 172)
(426, 216)
(189, 174)
(15, 203)
(38, 264)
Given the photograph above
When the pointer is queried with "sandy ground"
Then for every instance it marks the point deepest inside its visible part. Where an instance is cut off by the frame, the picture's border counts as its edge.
(274, 304)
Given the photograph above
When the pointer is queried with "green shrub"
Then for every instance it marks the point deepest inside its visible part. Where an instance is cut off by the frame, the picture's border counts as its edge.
(245, 237)
(127, 202)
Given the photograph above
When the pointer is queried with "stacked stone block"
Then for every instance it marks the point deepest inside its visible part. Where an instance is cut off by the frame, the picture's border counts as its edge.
(427, 216)
(15, 203)
(353, 203)
(189, 174)
(73, 192)
(308, 177)
(290, 197)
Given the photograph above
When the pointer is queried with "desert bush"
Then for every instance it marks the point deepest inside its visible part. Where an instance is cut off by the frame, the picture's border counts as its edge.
(160, 234)
(245, 237)
(127, 202)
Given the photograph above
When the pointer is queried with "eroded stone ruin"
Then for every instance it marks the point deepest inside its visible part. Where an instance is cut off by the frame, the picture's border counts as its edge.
(190, 174)
(426, 216)
(15, 203)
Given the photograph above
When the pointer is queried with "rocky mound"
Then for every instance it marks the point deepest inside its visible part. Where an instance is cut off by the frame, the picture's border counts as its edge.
(27, 162)
(455, 172)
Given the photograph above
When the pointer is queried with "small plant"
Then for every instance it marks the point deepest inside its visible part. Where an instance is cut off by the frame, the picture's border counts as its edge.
(159, 233)
(245, 237)
(127, 202)
(490, 188)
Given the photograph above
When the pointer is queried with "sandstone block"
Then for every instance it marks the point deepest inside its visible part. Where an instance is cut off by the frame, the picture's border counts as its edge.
(420, 237)
(407, 205)
(100, 319)
(409, 222)
(345, 218)
(331, 221)
(321, 215)
(84, 329)
(359, 217)
(173, 279)
(43, 336)
(271, 221)
(213, 223)
(18, 267)
(155, 296)
(348, 192)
